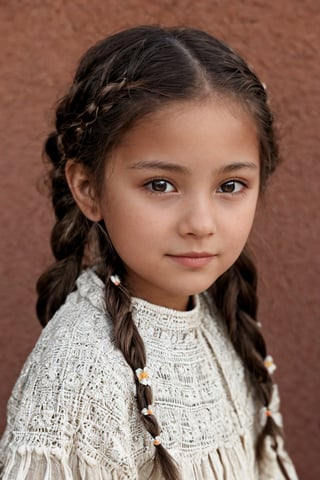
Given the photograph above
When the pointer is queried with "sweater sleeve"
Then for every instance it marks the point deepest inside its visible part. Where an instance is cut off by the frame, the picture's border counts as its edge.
(46, 463)
(68, 413)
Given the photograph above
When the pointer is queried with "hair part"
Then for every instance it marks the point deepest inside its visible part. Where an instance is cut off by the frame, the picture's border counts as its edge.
(119, 81)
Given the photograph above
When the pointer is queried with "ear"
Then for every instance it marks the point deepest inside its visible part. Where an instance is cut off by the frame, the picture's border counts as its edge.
(82, 189)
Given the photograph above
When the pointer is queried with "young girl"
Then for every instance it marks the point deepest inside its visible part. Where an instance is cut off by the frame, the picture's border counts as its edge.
(153, 364)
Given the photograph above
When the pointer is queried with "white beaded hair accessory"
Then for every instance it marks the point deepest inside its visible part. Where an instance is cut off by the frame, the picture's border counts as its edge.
(269, 364)
(272, 410)
(156, 441)
(143, 375)
(147, 411)
(115, 279)
(266, 412)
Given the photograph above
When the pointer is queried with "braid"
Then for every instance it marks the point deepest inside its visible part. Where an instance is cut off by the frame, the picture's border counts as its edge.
(74, 132)
(68, 239)
(128, 340)
(235, 294)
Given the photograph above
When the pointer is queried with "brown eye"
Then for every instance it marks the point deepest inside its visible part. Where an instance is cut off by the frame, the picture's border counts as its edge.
(231, 187)
(161, 186)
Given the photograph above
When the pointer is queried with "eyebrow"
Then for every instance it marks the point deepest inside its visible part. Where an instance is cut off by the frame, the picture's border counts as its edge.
(157, 165)
(237, 166)
(173, 167)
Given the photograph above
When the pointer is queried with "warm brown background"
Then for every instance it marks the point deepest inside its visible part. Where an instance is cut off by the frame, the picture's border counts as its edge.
(41, 41)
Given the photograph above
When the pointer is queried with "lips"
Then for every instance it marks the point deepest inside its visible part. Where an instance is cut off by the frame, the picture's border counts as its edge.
(193, 259)
(194, 255)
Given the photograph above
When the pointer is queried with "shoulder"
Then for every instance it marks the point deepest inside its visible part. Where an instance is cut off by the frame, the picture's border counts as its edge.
(75, 382)
(77, 344)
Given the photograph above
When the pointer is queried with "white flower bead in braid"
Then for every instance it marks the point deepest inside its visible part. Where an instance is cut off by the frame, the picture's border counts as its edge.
(147, 411)
(272, 410)
(269, 364)
(143, 375)
(156, 441)
(266, 412)
(115, 279)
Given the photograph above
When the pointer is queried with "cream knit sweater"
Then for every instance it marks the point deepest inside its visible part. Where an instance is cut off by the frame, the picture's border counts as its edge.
(73, 414)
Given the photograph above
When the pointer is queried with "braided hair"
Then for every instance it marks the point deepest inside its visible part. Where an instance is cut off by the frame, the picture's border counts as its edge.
(118, 82)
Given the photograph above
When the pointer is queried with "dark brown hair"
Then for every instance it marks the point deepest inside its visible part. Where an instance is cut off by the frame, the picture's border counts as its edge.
(119, 81)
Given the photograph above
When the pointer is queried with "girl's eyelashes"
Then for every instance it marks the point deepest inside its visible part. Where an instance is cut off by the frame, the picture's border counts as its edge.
(232, 187)
(160, 185)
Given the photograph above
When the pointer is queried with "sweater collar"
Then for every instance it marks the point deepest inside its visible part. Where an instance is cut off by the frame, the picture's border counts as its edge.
(91, 287)
(164, 318)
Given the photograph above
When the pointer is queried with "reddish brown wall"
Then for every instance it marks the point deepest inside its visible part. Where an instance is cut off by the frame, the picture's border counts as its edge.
(40, 44)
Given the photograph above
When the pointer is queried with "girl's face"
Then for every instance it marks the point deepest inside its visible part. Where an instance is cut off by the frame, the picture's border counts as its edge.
(179, 198)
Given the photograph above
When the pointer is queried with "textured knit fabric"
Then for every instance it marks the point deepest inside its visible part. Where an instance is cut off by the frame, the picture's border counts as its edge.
(73, 414)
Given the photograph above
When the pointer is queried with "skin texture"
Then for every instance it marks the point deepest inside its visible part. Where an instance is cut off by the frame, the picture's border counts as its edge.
(183, 182)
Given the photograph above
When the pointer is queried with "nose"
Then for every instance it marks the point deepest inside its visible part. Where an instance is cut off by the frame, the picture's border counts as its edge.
(198, 218)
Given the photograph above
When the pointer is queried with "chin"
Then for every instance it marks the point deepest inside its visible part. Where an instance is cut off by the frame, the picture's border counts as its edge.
(200, 289)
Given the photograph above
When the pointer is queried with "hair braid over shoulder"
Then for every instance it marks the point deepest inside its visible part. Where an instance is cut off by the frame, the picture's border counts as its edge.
(235, 294)
(127, 338)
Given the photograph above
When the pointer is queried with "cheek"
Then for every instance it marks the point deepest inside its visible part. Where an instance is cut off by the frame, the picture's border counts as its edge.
(129, 231)
(237, 229)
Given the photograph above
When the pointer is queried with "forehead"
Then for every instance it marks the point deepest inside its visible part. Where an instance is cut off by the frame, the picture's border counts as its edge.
(192, 130)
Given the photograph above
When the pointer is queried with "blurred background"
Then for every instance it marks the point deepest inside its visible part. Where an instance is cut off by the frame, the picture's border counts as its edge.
(40, 45)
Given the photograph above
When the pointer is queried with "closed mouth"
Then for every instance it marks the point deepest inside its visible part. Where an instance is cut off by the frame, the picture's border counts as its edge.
(193, 260)
(193, 255)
